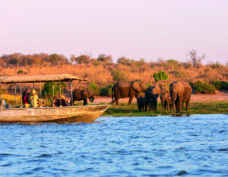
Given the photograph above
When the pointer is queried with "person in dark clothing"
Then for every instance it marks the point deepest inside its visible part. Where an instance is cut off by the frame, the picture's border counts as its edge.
(24, 97)
(63, 101)
(28, 99)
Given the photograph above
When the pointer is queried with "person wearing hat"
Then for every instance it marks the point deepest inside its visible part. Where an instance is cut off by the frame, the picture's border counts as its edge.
(34, 99)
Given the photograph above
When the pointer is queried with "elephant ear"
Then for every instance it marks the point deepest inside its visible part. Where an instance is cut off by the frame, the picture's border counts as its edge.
(156, 90)
(136, 86)
(85, 93)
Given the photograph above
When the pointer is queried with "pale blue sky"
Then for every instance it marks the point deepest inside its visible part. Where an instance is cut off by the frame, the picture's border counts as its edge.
(135, 29)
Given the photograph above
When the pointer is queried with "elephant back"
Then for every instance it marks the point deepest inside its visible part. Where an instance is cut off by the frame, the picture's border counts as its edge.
(180, 85)
(123, 84)
(77, 94)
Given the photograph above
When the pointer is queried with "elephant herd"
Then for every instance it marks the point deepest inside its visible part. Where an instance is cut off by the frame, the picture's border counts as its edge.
(172, 95)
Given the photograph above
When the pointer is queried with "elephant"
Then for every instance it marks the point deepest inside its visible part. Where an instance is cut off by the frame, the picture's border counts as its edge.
(83, 95)
(164, 97)
(151, 95)
(141, 102)
(180, 92)
(125, 90)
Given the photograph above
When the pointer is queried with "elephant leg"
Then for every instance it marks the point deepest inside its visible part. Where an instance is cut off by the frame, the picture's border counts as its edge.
(139, 108)
(173, 106)
(187, 105)
(155, 105)
(130, 100)
(85, 101)
(167, 105)
(117, 100)
(113, 101)
(176, 104)
(150, 106)
(180, 105)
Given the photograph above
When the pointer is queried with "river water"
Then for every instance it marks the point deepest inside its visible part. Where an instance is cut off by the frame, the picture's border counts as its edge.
(196, 145)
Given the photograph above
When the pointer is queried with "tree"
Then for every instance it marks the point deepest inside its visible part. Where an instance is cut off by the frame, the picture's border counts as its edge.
(195, 58)
(82, 59)
(124, 61)
(118, 75)
(161, 75)
(105, 59)
(94, 88)
(14, 61)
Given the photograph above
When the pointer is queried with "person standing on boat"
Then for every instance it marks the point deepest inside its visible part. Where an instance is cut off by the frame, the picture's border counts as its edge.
(24, 97)
(34, 99)
(28, 93)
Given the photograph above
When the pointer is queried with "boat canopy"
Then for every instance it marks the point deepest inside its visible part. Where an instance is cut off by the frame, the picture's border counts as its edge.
(39, 78)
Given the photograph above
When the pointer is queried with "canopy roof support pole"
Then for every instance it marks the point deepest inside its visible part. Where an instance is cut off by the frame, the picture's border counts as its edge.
(71, 94)
(1, 93)
(40, 90)
(40, 99)
(20, 94)
(53, 89)
(15, 95)
(60, 93)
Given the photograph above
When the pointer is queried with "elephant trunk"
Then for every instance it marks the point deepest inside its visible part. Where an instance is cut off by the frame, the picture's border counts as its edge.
(91, 99)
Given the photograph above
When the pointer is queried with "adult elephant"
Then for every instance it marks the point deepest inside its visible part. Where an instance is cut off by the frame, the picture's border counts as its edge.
(180, 92)
(151, 95)
(83, 95)
(125, 90)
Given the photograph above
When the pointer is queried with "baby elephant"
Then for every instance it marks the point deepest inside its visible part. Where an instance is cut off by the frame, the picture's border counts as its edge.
(165, 100)
(141, 102)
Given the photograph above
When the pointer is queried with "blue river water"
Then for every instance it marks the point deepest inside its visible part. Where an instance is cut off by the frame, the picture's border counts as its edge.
(195, 145)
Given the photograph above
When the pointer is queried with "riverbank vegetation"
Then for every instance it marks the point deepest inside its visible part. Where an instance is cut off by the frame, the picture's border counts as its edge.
(103, 71)
(196, 108)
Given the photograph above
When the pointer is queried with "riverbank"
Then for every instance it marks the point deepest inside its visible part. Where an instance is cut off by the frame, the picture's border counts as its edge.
(195, 108)
(195, 98)
(199, 104)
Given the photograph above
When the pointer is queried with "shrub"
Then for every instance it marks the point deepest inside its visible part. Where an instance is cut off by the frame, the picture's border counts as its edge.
(220, 85)
(106, 91)
(161, 75)
(3, 91)
(203, 87)
(20, 71)
(118, 75)
(47, 90)
(94, 88)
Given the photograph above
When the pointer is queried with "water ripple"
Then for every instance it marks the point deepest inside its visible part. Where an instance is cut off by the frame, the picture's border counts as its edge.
(117, 146)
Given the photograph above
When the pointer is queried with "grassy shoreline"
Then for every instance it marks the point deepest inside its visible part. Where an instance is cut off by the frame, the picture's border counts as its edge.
(196, 108)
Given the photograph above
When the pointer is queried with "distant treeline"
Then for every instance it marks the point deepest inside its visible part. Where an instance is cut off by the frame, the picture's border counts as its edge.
(18, 59)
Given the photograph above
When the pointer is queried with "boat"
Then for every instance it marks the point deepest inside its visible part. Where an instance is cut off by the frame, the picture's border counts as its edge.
(63, 114)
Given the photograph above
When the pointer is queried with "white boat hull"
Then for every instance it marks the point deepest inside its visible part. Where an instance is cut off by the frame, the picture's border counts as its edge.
(52, 114)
